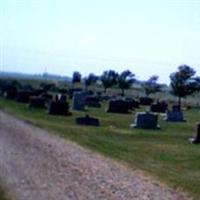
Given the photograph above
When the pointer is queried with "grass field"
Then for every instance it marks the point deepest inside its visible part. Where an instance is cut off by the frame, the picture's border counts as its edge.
(164, 153)
(2, 195)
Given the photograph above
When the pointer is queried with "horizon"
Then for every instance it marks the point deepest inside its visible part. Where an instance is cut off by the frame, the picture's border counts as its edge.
(63, 36)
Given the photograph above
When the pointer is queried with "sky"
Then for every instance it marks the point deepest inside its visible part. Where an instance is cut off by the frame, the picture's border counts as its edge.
(62, 36)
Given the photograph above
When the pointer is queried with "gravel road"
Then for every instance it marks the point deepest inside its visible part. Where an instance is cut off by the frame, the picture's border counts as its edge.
(37, 165)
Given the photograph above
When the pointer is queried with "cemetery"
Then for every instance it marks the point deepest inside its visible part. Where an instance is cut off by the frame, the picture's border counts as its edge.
(100, 100)
(128, 128)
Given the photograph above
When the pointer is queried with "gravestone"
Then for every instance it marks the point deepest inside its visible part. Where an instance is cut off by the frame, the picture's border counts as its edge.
(196, 138)
(37, 92)
(36, 102)
(176, 115)
(72, 91)
(59, 108)
(131, 103)
(79, 100)
(87, 120)
(92, 101)
(176, 108)
(159, 107)
(118, 106)
(146, 120)
(135, 103)
(63, 98)
(23, 96)
(146, 101)
(56, 98)
(11, 92)
(47, 97)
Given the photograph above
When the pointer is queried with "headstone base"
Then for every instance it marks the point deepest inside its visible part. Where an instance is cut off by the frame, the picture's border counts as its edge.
(87, 120)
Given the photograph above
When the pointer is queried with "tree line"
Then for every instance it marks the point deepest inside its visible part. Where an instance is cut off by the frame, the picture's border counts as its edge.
(183, 82)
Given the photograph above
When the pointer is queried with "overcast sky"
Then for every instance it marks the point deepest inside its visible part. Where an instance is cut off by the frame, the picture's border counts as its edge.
(147, 37)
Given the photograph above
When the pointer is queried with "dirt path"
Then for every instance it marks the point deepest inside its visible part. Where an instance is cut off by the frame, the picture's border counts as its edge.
(36, 165)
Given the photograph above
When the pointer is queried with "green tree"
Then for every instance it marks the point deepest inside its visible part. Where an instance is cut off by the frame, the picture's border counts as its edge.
(109, 79)
(76, 78)
(125, 80)
(151, 86)
(184, 82)
(91, 79)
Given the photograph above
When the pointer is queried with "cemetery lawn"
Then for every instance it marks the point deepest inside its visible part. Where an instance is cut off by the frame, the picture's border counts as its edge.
(164, 153)
(2, 195)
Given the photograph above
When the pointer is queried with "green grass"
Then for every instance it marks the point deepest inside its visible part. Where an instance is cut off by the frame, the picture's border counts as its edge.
(164, 153)
(2, 195)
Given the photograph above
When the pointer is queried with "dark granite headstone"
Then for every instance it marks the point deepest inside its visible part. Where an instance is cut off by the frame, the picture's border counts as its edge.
(131, 103)
(63, 98)
(36, 102)
(146, 101)
(79, 101)
(87, 120)
(24, 96)
(176, 115)
(136, 104)
(176, 108)
(146, 120)
(118, 106)
(71, 92)
(159, 107)
(59, 108)
(196, 138)
(56, 98)
(47, 97)
(92, 101)
(11, 92)
(38, 92)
